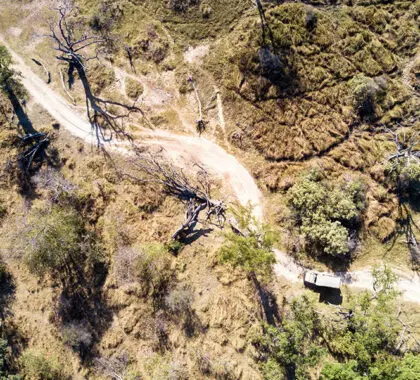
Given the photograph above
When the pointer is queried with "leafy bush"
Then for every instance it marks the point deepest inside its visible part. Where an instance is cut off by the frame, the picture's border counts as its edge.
(54, 242)
(249, 246)
(326, 211)
(366, 94)
(294, 347)
(51, 241)
(8, 77)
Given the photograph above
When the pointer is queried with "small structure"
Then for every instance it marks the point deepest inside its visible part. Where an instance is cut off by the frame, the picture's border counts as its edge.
(322, 279)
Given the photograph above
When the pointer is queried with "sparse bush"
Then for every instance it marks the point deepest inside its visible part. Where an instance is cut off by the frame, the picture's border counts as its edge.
(51, 241)
(150, 265)
(133, 88)
(175, 246)
(179, 300)
(151, 46)
(108, 14)
(101, 77)
(124, 265)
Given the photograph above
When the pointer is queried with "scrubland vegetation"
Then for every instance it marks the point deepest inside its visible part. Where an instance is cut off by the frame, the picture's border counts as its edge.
(318, 99)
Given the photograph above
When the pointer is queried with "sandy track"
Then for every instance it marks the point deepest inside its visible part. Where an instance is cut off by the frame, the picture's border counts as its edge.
(408, 283)
(187, 149)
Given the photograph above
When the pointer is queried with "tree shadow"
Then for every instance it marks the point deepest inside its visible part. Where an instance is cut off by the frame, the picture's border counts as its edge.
(7, 292)
(406, 227)
(8, 330)
(195, 235)
(268, 302)
(23, 118)
(82, 304)
(192, 324)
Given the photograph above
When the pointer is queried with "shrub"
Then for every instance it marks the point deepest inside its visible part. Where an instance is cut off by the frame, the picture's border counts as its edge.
(125, 265)
(8, 81)
(410, 178)
(331, 236)
(154, 267)
(179, 300)
(133, 88)
(365, 95)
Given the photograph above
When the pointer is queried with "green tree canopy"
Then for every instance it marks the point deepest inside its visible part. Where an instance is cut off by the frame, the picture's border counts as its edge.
(327, 210)
(8, 76)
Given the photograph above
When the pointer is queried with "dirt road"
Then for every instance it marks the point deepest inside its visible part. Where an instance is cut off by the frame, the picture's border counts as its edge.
(187, 149)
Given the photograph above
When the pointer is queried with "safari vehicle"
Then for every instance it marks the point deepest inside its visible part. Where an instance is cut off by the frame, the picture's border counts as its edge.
(322, 279)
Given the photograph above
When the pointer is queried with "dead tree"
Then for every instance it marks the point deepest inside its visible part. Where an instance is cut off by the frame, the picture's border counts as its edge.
(72, 47)
(47, 73)
(114, 368)
(408, 148)
(194, 193)
(37, 143)
(200, 122)
(265, 26)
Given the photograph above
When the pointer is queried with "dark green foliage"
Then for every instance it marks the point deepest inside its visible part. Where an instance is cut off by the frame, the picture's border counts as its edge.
(6, 73)
(404, 368)
(8, 77)
(327, 211)
(294, 346)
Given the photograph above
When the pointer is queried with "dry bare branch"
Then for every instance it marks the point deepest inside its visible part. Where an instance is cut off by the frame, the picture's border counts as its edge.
(71, 47)
(194, 193)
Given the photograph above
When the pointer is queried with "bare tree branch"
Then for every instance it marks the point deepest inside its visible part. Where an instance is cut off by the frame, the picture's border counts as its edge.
(194, 193)
(70, 48)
